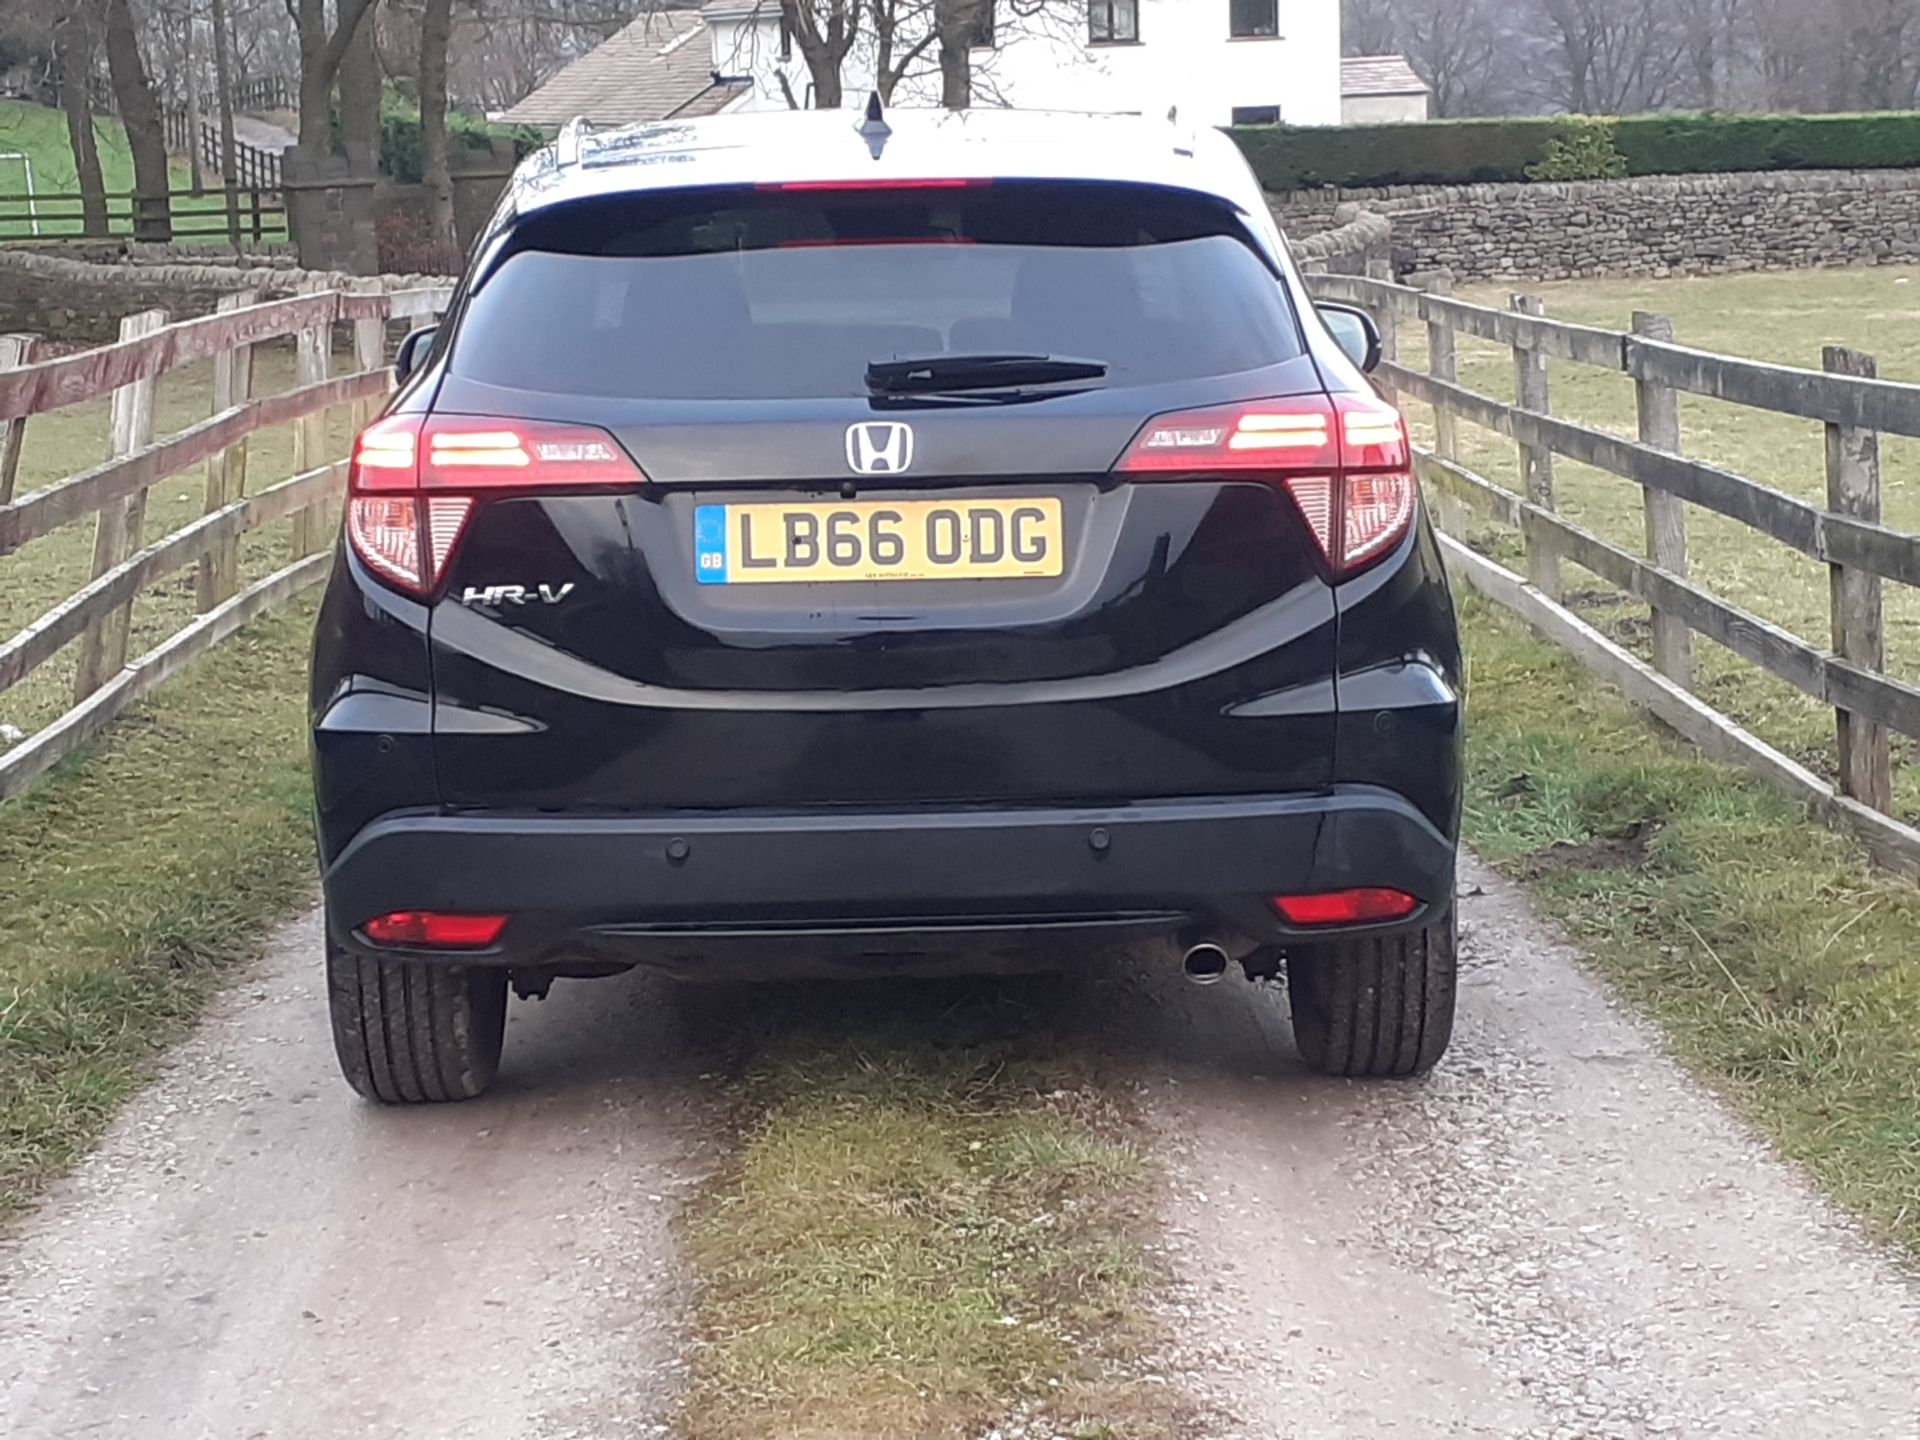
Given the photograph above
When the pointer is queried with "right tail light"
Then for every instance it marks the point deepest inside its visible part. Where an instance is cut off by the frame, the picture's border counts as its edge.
(414, 481)
(1344, 459)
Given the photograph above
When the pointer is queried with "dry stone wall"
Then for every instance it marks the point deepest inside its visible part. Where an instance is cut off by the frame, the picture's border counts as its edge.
(1691, 225)
(80, 302)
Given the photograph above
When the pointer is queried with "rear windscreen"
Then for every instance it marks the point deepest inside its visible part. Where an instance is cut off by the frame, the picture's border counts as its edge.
(792, 293)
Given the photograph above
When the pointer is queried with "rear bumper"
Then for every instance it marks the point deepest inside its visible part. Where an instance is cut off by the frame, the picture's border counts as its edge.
(676, 889)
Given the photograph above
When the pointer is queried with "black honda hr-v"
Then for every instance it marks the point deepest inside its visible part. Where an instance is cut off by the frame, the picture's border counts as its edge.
(825, 546)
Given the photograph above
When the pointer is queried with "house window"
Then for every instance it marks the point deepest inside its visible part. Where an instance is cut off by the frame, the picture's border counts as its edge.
(982, 36)
(1252, 19)
(1256, 114)
(1113, 22)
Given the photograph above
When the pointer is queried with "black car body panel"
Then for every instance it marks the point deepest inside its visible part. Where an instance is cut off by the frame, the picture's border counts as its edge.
(573, 727)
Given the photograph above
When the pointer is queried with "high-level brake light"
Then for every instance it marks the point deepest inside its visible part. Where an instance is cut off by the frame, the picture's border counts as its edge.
(412, 475)
(1344, 459)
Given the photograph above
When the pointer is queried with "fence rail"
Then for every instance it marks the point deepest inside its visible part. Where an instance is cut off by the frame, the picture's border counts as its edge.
(1855, 406)
(259, 212)
(255, 167)
(96, 617)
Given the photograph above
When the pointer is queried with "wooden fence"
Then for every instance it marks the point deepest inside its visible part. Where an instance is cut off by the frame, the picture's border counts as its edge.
(1846, 534)
(231, 212)
(254, 166)
(113, 495)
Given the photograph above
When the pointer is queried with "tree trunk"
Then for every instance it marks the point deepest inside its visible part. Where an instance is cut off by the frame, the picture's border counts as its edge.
(196, 175)
(955, 21)
(223, 83)
(146, 136)
(359, 80)
(436, 26)
(73, 63)
(320, 56)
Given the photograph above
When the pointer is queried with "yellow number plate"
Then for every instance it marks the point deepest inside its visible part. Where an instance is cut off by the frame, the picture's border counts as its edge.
(1015, 539)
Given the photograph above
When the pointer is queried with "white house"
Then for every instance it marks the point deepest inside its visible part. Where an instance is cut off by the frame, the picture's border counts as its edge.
(1218, 62)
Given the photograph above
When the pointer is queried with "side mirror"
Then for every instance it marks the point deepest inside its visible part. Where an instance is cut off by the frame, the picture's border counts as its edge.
(1354, 331)
(412, 351)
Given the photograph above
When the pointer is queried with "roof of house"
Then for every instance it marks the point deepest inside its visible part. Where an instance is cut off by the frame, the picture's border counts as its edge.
(1380, 75)
(659, 66)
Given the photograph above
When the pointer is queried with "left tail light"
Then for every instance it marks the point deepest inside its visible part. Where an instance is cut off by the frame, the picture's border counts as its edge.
(1344, 459)
(414, 481)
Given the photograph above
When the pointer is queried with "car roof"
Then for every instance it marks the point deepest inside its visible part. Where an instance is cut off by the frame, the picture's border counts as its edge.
(828, 146)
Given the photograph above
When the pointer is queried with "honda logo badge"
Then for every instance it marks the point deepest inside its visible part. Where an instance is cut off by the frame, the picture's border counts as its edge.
(880, 447)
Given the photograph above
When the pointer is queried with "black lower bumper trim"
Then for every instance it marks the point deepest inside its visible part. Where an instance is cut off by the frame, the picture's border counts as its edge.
(692, 880)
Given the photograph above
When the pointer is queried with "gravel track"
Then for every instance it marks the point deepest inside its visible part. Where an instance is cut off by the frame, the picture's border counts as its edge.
(1558, 1235)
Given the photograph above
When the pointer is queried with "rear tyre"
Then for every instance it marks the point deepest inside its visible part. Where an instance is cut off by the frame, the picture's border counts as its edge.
(408, 1033)
(1375, 1006)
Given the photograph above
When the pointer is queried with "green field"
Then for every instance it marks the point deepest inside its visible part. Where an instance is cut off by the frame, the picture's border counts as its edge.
(40, 134)
(1782, 318)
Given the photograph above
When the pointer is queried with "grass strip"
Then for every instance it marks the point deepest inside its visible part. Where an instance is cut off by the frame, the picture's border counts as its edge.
(916, 1240)
(1786, 972)
(132, 876)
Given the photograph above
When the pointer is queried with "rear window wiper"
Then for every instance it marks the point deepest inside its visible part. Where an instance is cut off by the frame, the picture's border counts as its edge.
(948, 374)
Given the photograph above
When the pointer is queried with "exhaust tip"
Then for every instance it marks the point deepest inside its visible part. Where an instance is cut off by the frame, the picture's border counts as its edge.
(1205, 964)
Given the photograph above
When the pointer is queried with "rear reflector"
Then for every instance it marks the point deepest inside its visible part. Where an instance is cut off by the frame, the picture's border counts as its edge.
(1346, 907)
(1344, 459)
(410, 469)
(432, 930)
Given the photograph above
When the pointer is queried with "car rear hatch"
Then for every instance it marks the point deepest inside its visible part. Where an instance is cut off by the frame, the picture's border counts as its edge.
(707, 541)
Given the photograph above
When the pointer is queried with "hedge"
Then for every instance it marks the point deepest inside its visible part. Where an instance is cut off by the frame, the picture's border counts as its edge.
(402, 152)
(1451, 152)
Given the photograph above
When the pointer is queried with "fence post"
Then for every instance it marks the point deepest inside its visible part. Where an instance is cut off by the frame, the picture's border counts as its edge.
(227, 472)
(369, 351)
(1443, 364)
(1659, 409)
(121, 523)
(313, 362)
(1381, 271)
(15, 351)
(1531, 392)
(1859, 635)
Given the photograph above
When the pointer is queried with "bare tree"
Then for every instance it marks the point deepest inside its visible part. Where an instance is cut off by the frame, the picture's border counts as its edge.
(1712, 32)
(823, 32)
(1371, 27)
(957, 23)
(359, 86)
(903, 32)
(436, 28)
(73, 51)
(1615, 56)
(140, 116)
(321, 52)
(1876, 61)
(223, 93)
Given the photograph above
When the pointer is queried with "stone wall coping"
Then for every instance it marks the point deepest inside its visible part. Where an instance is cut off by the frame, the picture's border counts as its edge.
(1651, 186)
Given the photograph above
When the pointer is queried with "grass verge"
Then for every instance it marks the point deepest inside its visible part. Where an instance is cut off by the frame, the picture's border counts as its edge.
(916, 1241)
(132, 875)
(1785, 971)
